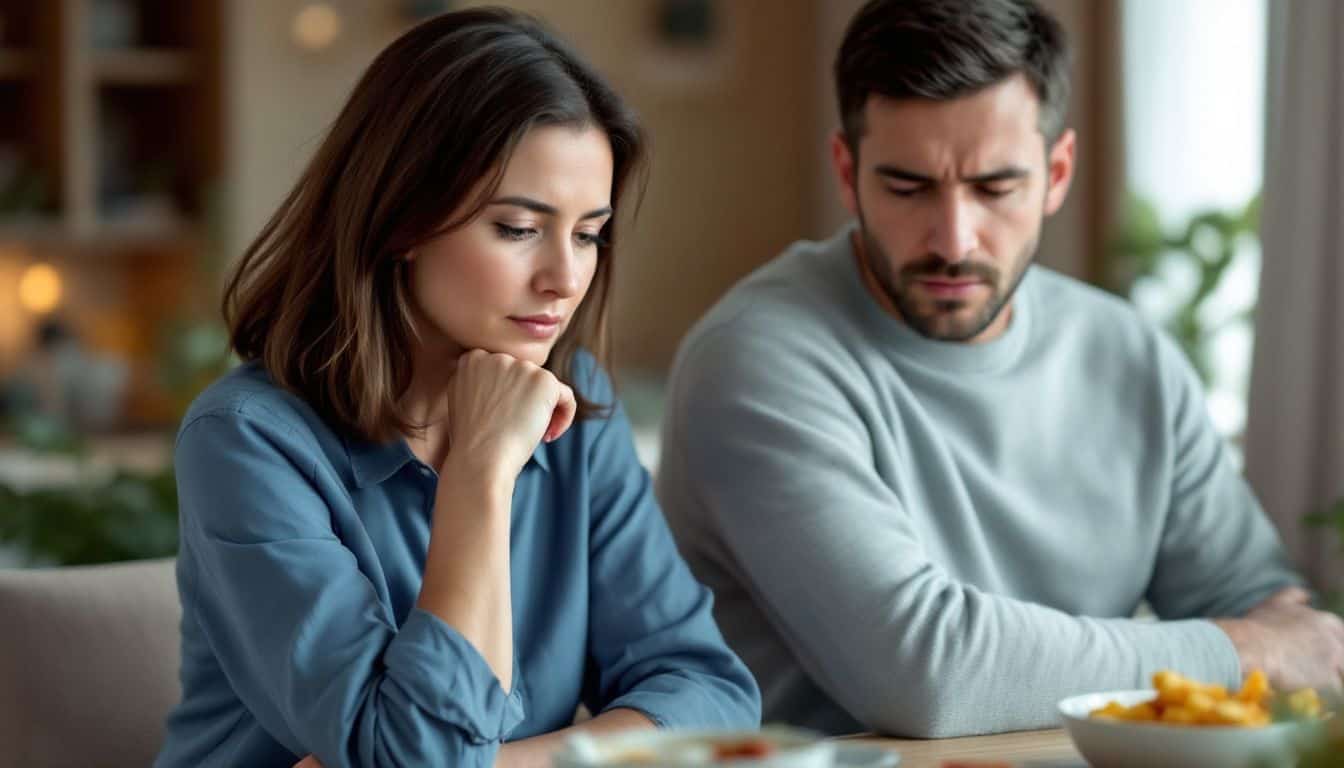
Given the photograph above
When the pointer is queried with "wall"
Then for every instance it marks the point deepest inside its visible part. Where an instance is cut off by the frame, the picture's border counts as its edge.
(280, 99)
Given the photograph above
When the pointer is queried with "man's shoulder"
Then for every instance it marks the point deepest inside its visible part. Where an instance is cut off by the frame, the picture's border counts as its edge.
(1067, 306)
(1058, 291)
(795, 299)
(1106, 333)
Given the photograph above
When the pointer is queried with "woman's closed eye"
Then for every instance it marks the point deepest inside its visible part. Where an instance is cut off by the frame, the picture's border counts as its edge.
(590, 239)
(514, 233)
(584, 239)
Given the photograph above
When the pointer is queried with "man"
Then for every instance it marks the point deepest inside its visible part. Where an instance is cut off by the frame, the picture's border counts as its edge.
(929, 482)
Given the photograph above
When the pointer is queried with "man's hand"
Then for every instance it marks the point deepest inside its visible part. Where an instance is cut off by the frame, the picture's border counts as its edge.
(308, 762)
(1296, 645)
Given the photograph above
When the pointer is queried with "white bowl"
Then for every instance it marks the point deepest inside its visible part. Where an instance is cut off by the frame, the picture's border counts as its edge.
(794, 748)
(1108, 743)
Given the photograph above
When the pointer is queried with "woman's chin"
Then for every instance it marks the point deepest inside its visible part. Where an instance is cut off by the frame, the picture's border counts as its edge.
(533, 352)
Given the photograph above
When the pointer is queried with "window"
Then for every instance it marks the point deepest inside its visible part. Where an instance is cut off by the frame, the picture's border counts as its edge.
(1194, 74)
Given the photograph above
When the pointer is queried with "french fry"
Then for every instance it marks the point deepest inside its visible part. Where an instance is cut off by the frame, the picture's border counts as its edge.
(1179, 716)
(1182, 701)
(1256, 688)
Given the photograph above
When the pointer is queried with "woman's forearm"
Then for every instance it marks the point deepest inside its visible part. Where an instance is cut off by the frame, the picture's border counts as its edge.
(536, 752)
(466, 580)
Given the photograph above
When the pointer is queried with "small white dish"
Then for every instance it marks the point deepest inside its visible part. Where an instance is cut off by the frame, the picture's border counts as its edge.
(792, 748)
(1109, 743)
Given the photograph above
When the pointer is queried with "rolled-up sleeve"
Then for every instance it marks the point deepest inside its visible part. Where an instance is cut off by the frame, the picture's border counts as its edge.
(653, 638)
(299, 630)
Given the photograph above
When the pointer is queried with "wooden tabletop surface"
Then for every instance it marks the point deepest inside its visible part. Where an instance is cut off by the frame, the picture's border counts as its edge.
(1028, 749)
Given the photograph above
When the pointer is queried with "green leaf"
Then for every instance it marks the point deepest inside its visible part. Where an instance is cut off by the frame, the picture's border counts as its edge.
(129, 516)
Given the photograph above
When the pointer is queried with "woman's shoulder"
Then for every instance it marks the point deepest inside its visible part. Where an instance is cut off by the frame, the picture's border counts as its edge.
(246, 391)
(247, 400)
(254, 464)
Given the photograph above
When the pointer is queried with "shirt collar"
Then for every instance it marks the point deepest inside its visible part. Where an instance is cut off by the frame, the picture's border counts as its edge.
(372, 463)
(541, 457)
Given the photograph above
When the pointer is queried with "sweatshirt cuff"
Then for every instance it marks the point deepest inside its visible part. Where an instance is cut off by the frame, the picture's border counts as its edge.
(1215, 658)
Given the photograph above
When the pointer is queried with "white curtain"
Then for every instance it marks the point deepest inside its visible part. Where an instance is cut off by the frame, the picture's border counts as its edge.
(1295, 431)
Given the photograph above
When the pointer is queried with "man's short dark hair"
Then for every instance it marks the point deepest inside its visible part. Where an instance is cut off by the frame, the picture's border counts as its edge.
(947, 49)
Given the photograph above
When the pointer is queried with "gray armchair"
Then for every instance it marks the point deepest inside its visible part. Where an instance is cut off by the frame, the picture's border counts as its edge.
(88, 664)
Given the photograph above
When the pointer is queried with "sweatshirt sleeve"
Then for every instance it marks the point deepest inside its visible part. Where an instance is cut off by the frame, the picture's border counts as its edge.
(1219, 554)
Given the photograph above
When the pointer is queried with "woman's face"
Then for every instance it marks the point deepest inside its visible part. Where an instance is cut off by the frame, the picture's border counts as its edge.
(510, 279)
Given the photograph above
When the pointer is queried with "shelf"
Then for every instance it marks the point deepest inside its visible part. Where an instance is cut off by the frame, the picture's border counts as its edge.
(110, 236)
(15, 64)
(32, 228)
(118, 234)
(144, 66)
(124, 122)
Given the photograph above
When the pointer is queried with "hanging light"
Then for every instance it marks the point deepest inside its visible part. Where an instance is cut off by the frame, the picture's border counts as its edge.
(40, 288)
(316, 26)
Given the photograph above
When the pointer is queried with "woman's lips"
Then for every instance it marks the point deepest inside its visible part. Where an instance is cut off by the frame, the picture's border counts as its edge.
(538, 326)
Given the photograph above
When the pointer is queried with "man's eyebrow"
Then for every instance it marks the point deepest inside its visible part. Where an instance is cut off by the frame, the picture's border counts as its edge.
(1002, 174)
(900, 174)
(543, 208)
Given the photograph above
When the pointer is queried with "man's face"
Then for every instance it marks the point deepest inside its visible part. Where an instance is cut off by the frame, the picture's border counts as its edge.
(950, 196)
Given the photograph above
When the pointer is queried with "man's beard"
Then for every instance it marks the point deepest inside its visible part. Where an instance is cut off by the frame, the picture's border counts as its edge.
(942, 319)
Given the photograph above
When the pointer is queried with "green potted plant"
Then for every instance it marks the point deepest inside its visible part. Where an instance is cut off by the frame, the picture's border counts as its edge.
(1207, 243)
(1332, 518)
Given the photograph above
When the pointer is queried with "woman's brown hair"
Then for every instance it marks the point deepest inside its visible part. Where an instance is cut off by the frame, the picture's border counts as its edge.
(320, 296)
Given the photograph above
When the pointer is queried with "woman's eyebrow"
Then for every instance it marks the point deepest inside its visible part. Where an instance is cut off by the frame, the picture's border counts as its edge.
(543, 208)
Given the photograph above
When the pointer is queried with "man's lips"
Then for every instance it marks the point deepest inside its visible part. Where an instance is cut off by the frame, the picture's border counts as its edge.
(950, 288)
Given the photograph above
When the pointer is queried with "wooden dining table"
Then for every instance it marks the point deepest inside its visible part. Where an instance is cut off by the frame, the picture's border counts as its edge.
(1025, 749)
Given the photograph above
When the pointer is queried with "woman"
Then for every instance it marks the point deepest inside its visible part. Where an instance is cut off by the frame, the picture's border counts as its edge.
(414, 528)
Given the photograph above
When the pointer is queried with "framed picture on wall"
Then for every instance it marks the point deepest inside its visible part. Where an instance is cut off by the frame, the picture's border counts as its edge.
(690, 44)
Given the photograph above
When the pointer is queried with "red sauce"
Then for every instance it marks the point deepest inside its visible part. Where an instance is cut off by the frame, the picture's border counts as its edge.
(752, 749)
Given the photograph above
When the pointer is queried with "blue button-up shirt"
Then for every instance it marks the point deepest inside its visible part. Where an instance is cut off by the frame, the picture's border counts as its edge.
(301, 558)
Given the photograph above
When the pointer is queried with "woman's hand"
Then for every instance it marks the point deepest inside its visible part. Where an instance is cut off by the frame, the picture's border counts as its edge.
(500, 408)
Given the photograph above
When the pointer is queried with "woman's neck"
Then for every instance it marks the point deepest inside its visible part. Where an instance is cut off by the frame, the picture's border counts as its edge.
(425, 402)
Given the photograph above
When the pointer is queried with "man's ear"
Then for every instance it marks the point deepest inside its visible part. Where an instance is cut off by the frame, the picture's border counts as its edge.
(843, 163)
(1059, 171)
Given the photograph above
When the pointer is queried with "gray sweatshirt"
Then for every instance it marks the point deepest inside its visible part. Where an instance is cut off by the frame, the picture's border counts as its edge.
(934, 539)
